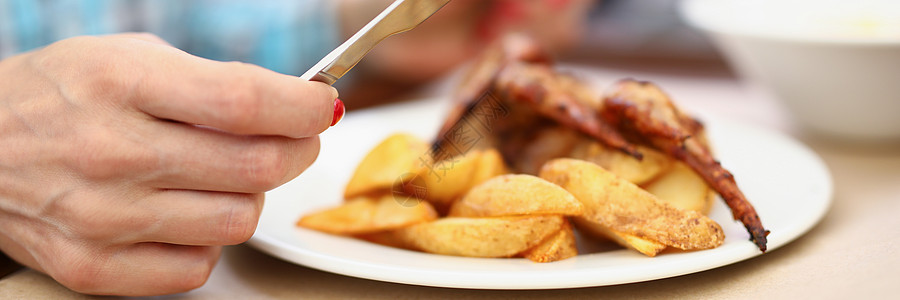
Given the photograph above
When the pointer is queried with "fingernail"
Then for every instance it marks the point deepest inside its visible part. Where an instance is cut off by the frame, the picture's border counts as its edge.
(334, 92)
(338, 111)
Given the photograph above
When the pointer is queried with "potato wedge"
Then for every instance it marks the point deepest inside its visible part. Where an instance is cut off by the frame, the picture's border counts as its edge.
(366, 215)
(622, 206)
(447, 180)
(490, 165)
(386, 238)
(644, 246)
(559, 246)
(546, 144)
(481, 237)
(621, 164)
(396, 156)
(519, 194)
(683, 188)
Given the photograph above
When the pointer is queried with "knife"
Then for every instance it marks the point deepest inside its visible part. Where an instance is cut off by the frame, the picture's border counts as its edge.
(400, 16)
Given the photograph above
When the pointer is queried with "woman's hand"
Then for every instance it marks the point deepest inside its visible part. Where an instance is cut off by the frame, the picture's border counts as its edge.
(127, 163)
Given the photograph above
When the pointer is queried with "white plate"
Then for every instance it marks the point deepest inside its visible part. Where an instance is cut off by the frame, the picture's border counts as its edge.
(786, 182)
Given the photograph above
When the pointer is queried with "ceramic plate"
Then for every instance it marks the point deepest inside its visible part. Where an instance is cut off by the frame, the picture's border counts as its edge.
(787, 183)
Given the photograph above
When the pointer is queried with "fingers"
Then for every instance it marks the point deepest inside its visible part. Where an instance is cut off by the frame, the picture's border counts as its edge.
(235, 97)
(205, 159)
(98, 267)
(198, 218)
(108, 217)
(138, 270)
(13, 248)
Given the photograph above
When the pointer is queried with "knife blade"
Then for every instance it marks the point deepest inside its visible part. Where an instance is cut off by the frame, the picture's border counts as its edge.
(400, 16)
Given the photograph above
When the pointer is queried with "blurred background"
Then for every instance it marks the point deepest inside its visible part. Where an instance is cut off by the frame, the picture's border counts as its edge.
(644, 33)
(283, 36)
(625, 35)
(802, 51)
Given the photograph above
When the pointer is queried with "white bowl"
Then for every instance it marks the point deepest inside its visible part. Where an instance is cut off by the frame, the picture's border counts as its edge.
(835, 64)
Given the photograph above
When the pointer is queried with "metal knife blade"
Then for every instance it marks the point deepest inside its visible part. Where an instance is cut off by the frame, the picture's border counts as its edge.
(400, 16)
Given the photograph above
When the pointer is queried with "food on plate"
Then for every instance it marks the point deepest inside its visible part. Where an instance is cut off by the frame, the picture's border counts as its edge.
(558, 246)
(548, 143)
(481, 237)
(625, 207)
(531, 95)
(394, 157)
(525, 195)
(490, 164)
(516, 194)
(447, 180)
(386, 238)
(683, 188)
(641, 108)
(626, 166)
(367, 215)
(526, 151)
(597, 230)
(525, 87)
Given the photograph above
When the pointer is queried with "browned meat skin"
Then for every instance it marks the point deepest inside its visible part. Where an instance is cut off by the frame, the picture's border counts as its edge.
(480, 78)
(641, 110)
(519, 72)
(539, 87)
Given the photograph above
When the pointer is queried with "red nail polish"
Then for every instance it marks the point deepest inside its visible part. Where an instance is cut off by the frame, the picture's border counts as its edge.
(338, 111)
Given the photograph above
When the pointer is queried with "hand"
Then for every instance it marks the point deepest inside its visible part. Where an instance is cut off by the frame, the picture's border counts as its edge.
(126, 164)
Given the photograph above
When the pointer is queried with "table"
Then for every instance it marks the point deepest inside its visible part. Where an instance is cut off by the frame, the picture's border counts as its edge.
(852, 253)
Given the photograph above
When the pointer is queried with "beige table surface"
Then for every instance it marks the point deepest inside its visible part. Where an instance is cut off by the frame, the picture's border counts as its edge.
(852, 253)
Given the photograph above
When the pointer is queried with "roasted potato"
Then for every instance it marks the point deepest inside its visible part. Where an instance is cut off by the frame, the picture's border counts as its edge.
(480, 237)
(547, 143)
(388, 238)
(683, 188)
(398, 155)
(635, 171)
(558, 246)
(447, 180)
(510, 195)
(490, 165)
(644, 246)
(366, 215)
(622, 206)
